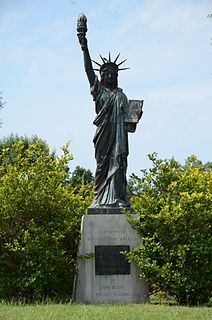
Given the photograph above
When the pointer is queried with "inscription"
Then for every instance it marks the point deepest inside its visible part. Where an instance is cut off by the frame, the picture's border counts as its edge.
(117, 231)
(115, 294)
(110, 239)
(104, 235)
(109, 260)
(110, 287)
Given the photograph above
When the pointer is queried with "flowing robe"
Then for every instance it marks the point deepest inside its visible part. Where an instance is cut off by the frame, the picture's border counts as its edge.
(111, 146)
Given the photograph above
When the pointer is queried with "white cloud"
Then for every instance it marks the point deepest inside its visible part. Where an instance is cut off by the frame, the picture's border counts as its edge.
(161, 15)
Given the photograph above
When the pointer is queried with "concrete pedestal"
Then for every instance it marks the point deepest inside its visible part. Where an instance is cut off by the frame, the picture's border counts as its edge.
(105, 276)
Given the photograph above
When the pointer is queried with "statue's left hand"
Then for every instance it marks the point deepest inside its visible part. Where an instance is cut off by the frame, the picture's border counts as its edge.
(130, 127)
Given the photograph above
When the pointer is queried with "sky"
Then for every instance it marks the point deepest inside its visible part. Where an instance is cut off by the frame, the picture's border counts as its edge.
(168, 49)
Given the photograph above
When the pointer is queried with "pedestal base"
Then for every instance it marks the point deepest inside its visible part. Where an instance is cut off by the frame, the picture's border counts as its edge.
(105, 276)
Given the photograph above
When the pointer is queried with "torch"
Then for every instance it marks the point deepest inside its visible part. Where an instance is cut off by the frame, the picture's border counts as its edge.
(82, 29)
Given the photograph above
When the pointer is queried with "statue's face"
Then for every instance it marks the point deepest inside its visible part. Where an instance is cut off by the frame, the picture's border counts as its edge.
(109, 77)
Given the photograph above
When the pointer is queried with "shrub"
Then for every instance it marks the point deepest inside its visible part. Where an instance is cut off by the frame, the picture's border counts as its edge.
(174, 208)
(40, 218)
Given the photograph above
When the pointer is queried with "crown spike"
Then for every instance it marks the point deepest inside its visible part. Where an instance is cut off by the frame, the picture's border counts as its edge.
(109, 61)
(121, 62)
(109, 58)
(103, 59)
(116, 58)
(123, 69)
(98, 64)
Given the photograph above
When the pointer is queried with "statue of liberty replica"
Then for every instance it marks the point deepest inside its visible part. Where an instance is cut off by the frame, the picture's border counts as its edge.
(116, 116)
(107, 277)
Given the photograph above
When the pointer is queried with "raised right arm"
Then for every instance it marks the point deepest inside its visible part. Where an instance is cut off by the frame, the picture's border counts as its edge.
(88, 66)
(81, 32)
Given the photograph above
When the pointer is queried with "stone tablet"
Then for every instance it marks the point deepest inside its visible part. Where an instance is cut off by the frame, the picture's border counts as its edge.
(134, 111)
(109, 260)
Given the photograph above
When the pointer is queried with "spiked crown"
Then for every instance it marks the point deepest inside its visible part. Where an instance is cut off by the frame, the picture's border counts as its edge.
(108, 64)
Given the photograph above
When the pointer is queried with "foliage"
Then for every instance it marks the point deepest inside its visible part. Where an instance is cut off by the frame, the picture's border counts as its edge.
(10, 158)
(196, 163)
(39, 221)
(81, 176)
(174, 208)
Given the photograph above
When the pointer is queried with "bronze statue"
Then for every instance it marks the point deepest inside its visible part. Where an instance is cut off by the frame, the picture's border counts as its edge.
(116, 116)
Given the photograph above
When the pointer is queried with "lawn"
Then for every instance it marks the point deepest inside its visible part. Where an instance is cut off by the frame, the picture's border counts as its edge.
(97, 312)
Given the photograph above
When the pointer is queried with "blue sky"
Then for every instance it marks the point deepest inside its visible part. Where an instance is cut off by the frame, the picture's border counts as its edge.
(167, 46)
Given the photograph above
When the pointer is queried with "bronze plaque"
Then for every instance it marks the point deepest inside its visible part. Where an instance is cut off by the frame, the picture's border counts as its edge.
(109, 260)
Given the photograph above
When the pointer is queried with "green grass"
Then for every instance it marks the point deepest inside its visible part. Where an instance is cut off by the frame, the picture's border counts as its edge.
(97, 312)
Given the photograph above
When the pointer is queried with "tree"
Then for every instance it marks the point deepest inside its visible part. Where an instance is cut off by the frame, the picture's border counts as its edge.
(81, 175)
(196, 163)
(82, 179)
(9, 154)
(174, 208)
(40, 217)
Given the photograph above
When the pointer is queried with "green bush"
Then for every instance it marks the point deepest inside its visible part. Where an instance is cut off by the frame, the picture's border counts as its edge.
(174, 208)
(40, 216)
